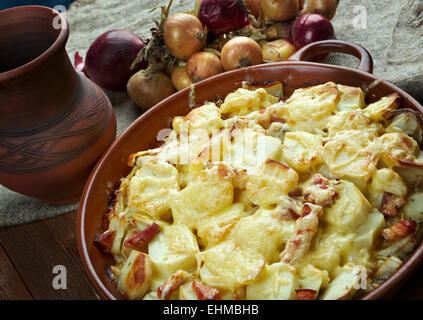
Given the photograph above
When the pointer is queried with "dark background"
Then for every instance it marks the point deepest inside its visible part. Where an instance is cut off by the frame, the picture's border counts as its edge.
(4, 4)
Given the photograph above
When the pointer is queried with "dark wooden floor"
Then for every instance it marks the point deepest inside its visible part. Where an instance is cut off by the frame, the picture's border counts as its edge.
(29, 252)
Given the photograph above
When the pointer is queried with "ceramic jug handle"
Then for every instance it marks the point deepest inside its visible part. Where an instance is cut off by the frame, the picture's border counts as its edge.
(330, 46)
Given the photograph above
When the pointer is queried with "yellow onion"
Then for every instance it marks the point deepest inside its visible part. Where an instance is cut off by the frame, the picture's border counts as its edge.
(241, 52)
(326, 8)
(253, 6)
(180, 79)
(147, 88)
(278, 50)
(184, 35)
(280, 10)
(280, 30)
(202, 65)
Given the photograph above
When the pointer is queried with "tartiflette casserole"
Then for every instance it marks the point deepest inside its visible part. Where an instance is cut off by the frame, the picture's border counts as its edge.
(317, 196)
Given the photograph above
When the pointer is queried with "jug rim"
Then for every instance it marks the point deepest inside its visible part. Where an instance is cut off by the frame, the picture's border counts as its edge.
(35, 11)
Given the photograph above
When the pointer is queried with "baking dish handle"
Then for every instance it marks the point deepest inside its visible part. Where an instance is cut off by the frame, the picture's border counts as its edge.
(330, 46)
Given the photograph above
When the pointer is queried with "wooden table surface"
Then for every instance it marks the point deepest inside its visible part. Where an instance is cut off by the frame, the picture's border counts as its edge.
(29, 252)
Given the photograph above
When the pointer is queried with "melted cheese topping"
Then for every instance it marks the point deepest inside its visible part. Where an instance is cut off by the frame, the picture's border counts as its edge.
(265, 199)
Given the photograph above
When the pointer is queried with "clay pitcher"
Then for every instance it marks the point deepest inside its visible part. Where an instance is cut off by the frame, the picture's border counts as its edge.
(54, 122)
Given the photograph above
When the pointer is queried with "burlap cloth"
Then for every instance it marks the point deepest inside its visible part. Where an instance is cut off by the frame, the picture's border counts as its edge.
(391, 30)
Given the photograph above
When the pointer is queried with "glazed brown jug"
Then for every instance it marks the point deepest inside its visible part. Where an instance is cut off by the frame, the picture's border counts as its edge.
(54, 122)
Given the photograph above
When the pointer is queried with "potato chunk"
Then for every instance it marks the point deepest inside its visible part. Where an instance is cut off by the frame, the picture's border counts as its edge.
(351, 120)
(370, 230)
(399, 150)
(271, 180)
(228, 266)
(205, 118)
(327, 250)
(302, 150)
(345, 284)
(312, 278)
(250, 149)
(352, 98)
(351, 208)
(214, 229)
(413, 209)
(386, 180)
(380, 110)
(242, 102)
(352, 154)
(262, 232)
(172, 250)
(117, 225)
(210, 192)
(309, 108)
(149, 189)
(180, 239)
(277, 282)
(135, 277)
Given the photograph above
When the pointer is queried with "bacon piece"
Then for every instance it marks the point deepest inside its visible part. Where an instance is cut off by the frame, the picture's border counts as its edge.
(105, 220)
(320, 191)
(276, 119)
(289, 208)
(295, 192)
(305, 211)
(390, 204)
(205, 292)
(289, 215)
(305, 294)
(277, 163)
(410, 163)
(105, 240)
(400, 230)
(305, 228)
(172, 284)
(141, 239)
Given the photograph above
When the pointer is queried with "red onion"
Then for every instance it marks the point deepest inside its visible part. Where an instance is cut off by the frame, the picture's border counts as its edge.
(79, 62)
(109, 59)
(223, 16)
(310, 28)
